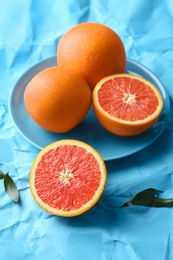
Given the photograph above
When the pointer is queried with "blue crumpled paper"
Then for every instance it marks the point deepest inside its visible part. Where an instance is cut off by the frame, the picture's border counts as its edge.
(29, 33)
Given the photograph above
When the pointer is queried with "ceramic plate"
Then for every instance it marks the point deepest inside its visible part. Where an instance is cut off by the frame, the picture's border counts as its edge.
(90, 131)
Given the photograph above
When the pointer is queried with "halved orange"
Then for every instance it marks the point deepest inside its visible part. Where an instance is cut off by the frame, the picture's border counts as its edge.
(126, 104)
(67, 178)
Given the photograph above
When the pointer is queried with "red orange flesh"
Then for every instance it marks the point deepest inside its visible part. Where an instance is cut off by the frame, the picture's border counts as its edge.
(126, 104)
(67, 178)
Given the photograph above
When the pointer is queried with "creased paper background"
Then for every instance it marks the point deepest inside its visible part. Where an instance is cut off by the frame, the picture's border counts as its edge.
(29, 33)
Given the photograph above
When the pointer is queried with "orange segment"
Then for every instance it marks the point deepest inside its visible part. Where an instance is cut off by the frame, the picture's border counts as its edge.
(126, 104)
(67, 177)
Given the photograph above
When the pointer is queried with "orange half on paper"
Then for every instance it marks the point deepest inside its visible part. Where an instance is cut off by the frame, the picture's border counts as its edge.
(67, 178)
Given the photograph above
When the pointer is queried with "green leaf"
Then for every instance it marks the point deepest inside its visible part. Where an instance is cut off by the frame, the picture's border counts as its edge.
(147, 198)
(11, 188)
(159, 202)
(1, 175)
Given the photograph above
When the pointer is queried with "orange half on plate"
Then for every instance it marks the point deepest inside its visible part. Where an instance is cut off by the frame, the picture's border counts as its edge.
(126, 105)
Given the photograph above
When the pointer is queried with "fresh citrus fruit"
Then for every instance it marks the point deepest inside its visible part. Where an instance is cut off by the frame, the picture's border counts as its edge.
(57, 99)
(93, 50)
(67, 178)
(126, 105)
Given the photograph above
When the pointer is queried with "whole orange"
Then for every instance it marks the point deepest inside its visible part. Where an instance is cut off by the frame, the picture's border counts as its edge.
(57, 99)
(92, 50)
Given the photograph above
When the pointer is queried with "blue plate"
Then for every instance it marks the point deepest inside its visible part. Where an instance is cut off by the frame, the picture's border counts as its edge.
(90, 131)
